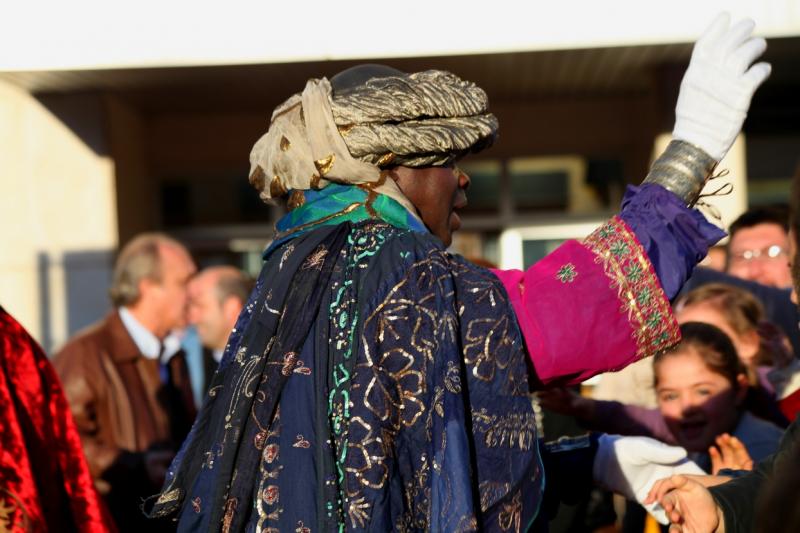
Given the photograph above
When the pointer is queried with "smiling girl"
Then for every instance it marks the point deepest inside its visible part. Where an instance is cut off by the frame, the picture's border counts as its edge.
(700, 386)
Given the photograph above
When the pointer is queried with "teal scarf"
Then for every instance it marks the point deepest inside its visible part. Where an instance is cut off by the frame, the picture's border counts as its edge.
(338, 203)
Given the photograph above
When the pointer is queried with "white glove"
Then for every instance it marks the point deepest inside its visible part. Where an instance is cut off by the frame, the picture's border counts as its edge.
(630, 465)
(718, 85)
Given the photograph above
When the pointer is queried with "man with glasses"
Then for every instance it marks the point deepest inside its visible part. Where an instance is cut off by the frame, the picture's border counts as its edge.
(758, 248)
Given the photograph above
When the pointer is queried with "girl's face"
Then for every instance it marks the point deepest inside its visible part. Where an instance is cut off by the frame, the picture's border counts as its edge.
(697, 403)
(746, 345)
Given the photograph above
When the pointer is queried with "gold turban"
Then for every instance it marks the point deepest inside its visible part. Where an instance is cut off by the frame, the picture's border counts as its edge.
(429, 118)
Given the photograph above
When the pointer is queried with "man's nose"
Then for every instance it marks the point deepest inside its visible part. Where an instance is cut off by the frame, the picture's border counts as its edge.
(755, 270)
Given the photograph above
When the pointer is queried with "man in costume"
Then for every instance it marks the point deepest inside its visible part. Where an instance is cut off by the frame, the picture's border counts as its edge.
(45, 484)
(127, 387)
(376, 382)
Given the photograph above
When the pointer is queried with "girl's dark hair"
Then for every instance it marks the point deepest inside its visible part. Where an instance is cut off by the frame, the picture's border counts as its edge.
(713, 346)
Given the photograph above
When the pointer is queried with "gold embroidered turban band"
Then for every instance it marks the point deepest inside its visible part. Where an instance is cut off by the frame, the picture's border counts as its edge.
(429, 118)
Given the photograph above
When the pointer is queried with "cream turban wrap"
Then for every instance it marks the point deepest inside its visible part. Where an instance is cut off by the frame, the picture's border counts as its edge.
(429, 118)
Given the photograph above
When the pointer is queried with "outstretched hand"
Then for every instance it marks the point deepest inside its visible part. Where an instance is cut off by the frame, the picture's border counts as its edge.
(729, 453)
(688, 505)
(717, 88)
(630, 465)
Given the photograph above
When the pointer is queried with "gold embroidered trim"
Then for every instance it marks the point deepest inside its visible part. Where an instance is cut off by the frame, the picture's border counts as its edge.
(629, 271)
(348, 209)
(285, 144)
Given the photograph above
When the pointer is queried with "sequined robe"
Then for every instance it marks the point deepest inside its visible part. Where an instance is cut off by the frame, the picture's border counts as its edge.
(375, 382)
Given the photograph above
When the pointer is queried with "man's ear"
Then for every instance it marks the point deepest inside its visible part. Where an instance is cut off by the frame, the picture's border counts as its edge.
(146, 285)
(231, 308)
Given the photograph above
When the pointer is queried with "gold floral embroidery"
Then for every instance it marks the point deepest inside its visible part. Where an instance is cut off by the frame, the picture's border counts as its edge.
(366, 451)
(467, 524)
(266, 504)
(514, 430)
(315, 259)
(230, 510)
(491, 492)
(358, 511)
(284, 256)
(169, 496)
(452, 379)
(630, 273)
(301, 442)
(511, 514)
(416, 515)
(488, 346)
(401, 341)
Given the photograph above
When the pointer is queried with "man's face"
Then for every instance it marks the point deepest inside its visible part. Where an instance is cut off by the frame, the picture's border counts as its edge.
(761, 253)
(170, 294)
(206, 312)
(436, 192)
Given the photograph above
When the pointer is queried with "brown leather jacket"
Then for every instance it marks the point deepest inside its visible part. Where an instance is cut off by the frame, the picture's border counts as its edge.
(123, 409)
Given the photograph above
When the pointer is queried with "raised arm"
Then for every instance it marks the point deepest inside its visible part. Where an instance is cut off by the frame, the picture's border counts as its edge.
(602, 303)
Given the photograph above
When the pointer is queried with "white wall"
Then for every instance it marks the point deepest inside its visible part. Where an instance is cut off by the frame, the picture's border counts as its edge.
(58, 224)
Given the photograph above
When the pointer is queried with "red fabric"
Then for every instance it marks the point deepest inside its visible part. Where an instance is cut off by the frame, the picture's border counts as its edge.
(45, 483)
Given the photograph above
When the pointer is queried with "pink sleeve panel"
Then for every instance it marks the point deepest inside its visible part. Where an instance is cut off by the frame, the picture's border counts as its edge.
(591, 307)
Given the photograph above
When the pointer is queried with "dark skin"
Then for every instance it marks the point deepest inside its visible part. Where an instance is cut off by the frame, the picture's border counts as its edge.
(436, 192)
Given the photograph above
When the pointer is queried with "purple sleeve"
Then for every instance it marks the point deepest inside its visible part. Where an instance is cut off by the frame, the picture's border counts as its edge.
(674, 237)
(624, 419)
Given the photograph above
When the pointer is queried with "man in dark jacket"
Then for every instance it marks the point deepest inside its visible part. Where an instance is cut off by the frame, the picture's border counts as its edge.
(127, 386)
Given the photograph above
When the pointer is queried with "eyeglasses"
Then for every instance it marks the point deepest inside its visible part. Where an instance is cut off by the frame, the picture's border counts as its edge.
(765, 254)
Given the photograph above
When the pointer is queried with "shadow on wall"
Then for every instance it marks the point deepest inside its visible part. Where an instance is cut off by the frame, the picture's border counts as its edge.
(86, 276)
